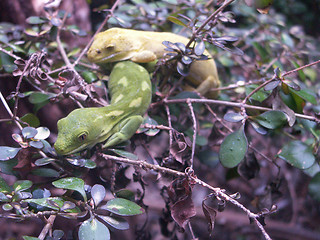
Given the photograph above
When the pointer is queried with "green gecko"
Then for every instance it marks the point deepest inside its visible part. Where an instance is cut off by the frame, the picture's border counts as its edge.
(117, 44)
(130, 91)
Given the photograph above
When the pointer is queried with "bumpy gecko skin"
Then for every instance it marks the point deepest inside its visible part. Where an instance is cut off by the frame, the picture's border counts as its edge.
(117, 44)
(130, 91)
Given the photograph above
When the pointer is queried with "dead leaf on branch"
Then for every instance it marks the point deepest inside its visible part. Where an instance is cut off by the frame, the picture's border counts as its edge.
(182, 207)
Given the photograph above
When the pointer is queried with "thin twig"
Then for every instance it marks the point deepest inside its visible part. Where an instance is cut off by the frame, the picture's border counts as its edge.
(47, 227)
(5, 104)
(9, 53)
(233, 104)
(170, 126)
(213, 15)
(257, 89)
(300, 68)
(143, 164)
(59, 43)
(194, 120)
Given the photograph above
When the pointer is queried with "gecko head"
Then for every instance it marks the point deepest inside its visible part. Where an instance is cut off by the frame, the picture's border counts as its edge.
(112, 45)
(76, 132)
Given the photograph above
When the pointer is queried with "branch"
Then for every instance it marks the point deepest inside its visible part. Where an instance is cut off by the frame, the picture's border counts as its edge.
(213, 15)
(194, 120)
(233, 104)
(300, 68)
(189, 173)
(47, 227)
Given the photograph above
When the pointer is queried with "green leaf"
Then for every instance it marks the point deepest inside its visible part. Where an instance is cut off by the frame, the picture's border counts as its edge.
(93, 230)
(272, 119)
(313, 170)
(71, 183)
(89, 77)
(298, 154)
(89, 164)
(125, 193)
(98, 192)
(29, 132)
(116, 222)
(57, 234)
(259, 96)
(4, 198)
(122, 207)
(124, 154)
(305, 95)
(199, 49)
(7, 153)
(7, 62)
(54, 203)
(42, 133)
(233, 117)
(36, 144)
(233, 148)
(259, 129)
(147, 131)
(4, 187)
(35, 20)
(301, 74)
(176, 21)
(7, 207)
(31, 119)
(30, 238)
(44, 161)
(263, 53)
(208, 157)
(45, 172)
(314, 187)
(38, 97)
(271, 85)
(22, 185)
(200, 140)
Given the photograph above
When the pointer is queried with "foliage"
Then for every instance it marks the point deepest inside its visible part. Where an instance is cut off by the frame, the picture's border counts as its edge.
(265, 119)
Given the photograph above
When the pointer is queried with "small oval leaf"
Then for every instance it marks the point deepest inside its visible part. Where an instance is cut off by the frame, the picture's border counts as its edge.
(176, 21)
(272, 119)
(22, 185)
(199, 48)
(4, 187)
(36, 144)
(115, 222)
(93, 230)
(186, 60)
(44, 161)
(38, 97)
(43, 133)
(233, 148)
(7, 153)
(271, 85)
(298, 154)
(45, 172)
(122, 207)
(71, 183)
(233, 117)
(98, 192)
(29, 132)
(125, 154)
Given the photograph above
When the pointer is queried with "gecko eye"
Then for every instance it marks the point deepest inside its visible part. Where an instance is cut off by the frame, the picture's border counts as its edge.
(110, 48)
(82, 137)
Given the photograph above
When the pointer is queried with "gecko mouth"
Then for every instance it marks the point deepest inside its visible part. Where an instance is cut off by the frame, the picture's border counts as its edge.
(120, 57)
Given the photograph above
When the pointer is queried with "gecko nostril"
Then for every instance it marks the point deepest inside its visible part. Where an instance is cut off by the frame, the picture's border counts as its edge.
(98, 51)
